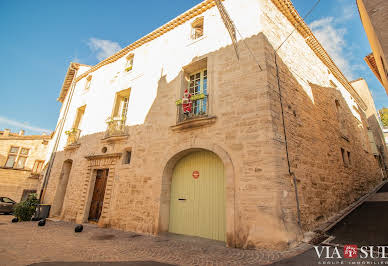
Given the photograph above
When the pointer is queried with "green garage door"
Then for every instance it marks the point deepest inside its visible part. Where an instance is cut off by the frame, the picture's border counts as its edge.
(198, 196)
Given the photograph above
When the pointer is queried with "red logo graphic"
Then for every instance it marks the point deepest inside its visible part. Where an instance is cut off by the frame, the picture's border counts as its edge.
(350, 251)
(195, 174)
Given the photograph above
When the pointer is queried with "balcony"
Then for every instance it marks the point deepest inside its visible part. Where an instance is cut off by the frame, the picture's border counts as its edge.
(73, 138)
(198, 116)
(116, 128)
(198, 110)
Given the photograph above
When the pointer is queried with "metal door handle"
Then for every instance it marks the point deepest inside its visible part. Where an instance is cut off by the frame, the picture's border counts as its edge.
(181, 199)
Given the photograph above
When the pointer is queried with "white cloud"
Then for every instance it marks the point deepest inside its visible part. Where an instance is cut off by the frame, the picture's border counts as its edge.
(332, 37)
(348, 12)
(330, 32)
(103, 48)
(24, 125)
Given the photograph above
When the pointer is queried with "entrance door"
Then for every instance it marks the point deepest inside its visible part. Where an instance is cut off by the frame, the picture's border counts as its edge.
(98, 195)
(198, 196)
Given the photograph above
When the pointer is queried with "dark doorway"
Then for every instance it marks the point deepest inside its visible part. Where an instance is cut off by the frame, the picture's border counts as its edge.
(26, 193)
(98, 195)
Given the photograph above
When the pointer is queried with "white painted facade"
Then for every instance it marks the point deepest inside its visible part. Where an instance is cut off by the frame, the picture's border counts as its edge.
(166, 55)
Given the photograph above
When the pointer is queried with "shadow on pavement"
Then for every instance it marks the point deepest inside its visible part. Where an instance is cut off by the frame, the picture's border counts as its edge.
(120, 263)
(383, 189)
(366, 225)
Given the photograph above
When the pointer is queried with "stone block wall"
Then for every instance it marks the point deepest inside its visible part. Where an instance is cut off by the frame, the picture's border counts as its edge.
(13, 182)
(316, 128)
(245, 130)
(262, 204)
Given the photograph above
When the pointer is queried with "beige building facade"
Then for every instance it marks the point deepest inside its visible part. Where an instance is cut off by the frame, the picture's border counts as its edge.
(375, 126)
(21, 163)
(186, 132)
(373, 14)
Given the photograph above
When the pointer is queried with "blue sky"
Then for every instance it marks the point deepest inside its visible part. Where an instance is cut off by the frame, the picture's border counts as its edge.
(38, 40)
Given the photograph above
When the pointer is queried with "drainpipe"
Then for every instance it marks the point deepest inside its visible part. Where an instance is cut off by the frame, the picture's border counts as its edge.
(292, 174)
(54, 151)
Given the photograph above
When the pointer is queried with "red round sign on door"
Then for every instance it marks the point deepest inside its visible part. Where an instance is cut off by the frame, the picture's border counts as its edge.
(195, 174)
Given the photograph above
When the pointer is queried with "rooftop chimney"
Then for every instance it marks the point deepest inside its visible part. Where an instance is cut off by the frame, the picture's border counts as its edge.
(21, 132)
(6, 132)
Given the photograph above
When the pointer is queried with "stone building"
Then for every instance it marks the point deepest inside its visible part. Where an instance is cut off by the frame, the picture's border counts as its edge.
(375, 126)
(385, 131)
(21, 163)
(374, 18)
(210, 126)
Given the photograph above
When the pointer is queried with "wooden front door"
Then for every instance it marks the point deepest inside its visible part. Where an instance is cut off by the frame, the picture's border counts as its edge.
(198, 196)
(98, 195)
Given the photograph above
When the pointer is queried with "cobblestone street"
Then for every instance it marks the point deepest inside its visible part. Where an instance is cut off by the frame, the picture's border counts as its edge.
(25, 243)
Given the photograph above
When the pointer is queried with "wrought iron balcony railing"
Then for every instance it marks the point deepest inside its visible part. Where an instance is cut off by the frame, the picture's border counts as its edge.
(116, 127)
(73, 136)
(199, 108)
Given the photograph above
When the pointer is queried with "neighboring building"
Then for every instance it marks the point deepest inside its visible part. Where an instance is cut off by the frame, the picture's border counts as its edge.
(375, 126)
(385, 130)
(21, 163)
(257, 128)
(374, 18)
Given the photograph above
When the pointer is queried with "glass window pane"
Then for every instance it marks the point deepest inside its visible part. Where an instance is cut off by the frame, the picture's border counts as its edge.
(205, 85)
(7, 200)
(24, 151)
(10, 161)
(21, 162)
(14, 150)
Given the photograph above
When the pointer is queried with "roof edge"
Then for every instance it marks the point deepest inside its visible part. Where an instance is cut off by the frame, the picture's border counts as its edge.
(288, 10)
(69, 77)
(177, 21)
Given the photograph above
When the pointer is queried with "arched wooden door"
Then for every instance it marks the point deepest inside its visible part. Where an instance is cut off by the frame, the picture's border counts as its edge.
(197, 205)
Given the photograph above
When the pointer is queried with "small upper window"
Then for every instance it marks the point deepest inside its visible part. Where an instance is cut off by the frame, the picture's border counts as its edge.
(197, 28)
(129, 63)
(88, 81)
(127, 158)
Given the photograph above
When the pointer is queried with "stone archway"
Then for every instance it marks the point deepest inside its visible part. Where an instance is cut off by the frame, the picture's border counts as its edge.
(61, 188)
(168, 166)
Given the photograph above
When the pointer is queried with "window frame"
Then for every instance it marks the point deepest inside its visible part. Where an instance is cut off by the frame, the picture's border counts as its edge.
(17, 156)
(129, 62)
(127, 159)
(88, 82)
(38, 166)
(202, 90)
(200, 21)
(118, 111)
(79, 116)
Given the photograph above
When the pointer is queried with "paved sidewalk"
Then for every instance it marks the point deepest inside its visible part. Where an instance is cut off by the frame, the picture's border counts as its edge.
(364, 226)
(367, 224)
(25, 243)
